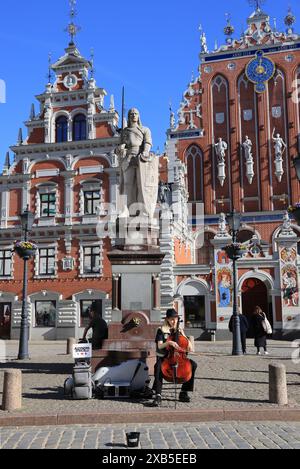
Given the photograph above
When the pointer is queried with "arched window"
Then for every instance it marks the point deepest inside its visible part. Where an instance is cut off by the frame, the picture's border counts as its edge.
(79, 127)
(195, 173)
(205, 254)
(61, 129)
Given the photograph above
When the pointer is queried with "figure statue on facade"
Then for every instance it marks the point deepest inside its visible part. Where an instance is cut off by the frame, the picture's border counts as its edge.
(280, 145)
(222, 224)
(248, 148)
(203, 40)
(220, 149)
(163, 190)
(139, 167)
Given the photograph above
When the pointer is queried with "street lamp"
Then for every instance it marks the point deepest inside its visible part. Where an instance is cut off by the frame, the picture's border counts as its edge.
(27, 219)
(234, 221)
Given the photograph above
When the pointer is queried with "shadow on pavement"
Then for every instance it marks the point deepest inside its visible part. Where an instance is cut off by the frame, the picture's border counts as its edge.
(235, 399)
(43, 368)
(56, 393)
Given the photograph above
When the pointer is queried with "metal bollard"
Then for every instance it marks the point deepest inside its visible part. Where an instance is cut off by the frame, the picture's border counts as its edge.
(70, 342)
(277, 384)
(212, 336)
(12, 390)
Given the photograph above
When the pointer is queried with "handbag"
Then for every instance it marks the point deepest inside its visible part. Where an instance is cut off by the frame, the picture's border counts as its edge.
(266, 326)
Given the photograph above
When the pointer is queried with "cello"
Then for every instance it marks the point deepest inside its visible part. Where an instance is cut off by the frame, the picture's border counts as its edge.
(176, 367)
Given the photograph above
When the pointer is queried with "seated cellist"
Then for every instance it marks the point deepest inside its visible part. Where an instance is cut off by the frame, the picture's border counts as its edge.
(162, 345)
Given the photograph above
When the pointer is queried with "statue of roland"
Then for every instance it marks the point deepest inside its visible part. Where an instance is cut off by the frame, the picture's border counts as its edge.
(139, 168)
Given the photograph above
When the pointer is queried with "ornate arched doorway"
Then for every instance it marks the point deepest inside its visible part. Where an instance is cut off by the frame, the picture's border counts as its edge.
(255, 293)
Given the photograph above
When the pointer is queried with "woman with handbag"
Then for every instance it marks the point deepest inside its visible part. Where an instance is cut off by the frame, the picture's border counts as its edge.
(260, 330)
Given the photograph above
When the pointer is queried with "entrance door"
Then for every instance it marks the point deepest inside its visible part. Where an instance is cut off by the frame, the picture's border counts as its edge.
(254, 293)
(194, 307)
(5, 320)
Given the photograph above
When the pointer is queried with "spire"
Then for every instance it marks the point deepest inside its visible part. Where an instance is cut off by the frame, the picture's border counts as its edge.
(20, 137)
(92, 63)
(6, 164)
(72, 28)
(32, 112)
(49, 74)
(257, 4)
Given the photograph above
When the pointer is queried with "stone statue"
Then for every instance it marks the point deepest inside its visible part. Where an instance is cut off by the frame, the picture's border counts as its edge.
(220, 149)
(248, 148)
(203, 40)
(139, 168)
(279, 146)
(163, 190)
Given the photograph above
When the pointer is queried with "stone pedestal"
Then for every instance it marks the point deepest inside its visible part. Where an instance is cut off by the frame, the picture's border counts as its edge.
(136, 311)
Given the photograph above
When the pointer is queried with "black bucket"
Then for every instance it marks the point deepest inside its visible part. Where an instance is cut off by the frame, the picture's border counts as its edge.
(133, 439)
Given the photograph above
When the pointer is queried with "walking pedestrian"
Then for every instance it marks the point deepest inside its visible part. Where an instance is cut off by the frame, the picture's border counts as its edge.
(244, 326)
(260, 335)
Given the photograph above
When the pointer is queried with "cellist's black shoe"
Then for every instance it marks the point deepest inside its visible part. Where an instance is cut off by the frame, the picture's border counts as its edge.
(184, 397)
(157, 401)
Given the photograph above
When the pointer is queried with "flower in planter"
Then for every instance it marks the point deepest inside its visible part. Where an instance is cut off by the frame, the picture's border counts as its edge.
(24, 245)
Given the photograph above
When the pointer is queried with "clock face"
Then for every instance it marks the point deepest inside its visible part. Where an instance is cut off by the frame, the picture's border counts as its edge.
(259, 71)
(70, 81)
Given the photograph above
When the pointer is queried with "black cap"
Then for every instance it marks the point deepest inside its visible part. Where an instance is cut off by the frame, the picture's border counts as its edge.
(171, 313)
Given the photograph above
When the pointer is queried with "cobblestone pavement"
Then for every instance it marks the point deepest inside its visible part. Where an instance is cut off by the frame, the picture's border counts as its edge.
(232, 435)
(222, 380)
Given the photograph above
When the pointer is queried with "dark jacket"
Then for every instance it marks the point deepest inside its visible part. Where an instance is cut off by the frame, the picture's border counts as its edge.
(257, 325)
(244, 325)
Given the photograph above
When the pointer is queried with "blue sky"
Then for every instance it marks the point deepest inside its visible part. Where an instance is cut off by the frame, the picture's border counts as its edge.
(149, 47)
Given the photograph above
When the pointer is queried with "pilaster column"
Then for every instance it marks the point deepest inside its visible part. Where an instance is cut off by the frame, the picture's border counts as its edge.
(156, 291)
(69, 182)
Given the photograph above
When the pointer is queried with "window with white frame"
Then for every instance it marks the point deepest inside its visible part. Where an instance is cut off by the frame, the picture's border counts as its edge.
(5, 263)
(92, 200)
(48, 205)
(91, 260)
(46, 261)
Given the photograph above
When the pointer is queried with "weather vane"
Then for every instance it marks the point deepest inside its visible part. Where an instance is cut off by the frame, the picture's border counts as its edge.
(256, 3)
(72, 28)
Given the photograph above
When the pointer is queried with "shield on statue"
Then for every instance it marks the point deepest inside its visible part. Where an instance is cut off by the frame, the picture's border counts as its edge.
(149, 183)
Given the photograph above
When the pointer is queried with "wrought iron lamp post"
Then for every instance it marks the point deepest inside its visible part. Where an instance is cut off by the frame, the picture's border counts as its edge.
(27, 219)
(234, 221)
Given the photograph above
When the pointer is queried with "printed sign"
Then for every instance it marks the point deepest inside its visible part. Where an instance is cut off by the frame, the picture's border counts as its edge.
(82, 351)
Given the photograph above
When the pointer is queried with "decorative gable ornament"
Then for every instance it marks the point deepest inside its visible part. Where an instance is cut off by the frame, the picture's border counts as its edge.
(259, 71)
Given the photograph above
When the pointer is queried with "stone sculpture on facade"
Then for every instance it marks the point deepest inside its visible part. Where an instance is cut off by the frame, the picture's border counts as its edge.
(249, 159)
(220, 149)
(139, 167)
(279, 147)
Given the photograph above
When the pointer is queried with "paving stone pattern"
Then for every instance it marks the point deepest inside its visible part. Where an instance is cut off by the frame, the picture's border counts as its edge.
(231, 435)
(222, 380)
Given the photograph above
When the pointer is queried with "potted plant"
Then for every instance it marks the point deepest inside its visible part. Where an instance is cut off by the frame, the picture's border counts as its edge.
(235, 250)
(25, 249)
(295, 211)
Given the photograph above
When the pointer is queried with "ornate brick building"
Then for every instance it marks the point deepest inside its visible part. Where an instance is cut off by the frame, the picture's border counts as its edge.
(223, 153)
(234, 121)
